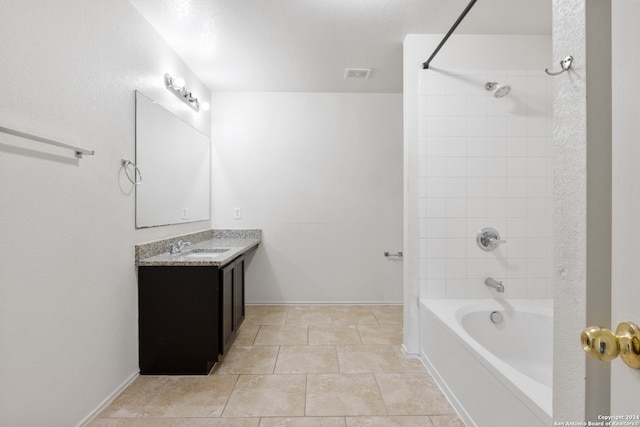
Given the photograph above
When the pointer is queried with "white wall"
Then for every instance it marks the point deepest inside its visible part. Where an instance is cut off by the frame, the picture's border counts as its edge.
(471, 52)
(582, 200)
(321, 175)
(68, 293)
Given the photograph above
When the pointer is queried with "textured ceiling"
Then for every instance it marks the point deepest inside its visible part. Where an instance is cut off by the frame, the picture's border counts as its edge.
(305, 45)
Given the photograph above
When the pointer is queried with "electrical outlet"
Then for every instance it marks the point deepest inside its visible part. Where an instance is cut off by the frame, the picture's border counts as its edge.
(185, 213)
(237, 213)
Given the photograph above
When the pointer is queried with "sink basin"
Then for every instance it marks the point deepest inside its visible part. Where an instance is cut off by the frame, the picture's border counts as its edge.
(205, 253)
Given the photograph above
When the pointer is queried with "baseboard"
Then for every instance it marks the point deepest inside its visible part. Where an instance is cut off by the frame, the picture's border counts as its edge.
(108, 400)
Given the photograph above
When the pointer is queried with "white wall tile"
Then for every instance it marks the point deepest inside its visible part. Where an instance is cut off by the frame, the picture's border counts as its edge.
(435, 207)
(516, 167)
(456, 146)
(496, 146)
(517, 146)
(436, 228)
(457, 207)
(516, 207)
(435, 187)
(456, 288)
(476, 145)
(476, 206)
(488, 164)
(537, 167)
(436, 248)
(476, 187)
(456, 248)
(435, 146)
(496, 207)
(456, 126)
(436, 268)
(456, 187)
(496, 166)
(456, 227)
(435, 167)
(496, 187)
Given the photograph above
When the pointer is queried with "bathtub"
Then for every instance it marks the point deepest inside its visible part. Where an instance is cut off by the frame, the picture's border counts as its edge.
(495, 375)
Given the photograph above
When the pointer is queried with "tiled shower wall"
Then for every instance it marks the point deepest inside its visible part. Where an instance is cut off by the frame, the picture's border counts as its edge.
(485, 162)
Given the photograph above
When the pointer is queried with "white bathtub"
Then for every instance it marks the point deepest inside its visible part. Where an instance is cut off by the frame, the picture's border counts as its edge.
(495, 375)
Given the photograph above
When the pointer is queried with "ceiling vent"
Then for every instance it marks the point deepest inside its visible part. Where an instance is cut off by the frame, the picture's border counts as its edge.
(357, 73)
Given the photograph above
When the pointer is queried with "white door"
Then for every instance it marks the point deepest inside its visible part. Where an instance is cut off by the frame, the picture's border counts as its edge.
(625, 292)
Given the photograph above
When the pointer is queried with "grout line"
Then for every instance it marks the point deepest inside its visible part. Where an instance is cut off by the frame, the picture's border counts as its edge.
(224, 407)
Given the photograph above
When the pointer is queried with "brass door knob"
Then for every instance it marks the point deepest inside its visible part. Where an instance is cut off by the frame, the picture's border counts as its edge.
(603, 344)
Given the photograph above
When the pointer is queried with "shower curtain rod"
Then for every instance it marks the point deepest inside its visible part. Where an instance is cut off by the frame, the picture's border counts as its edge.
(466, 10)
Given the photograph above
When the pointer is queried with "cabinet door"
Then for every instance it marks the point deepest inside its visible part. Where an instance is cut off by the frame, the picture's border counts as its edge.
(178, 319)
(238, 293)
(226, 309)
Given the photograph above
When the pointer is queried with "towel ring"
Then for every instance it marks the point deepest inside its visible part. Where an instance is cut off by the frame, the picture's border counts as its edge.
(136, 171)
(565, 64)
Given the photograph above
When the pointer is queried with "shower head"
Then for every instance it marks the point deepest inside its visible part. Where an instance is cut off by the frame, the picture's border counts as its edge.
(499, 90)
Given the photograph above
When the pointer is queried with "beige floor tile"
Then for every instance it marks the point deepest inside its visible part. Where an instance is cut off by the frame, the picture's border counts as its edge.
(309, 315)
(353, 315)
(131, 422)
(303, 422)
(193, 396)
(388, 314)
(361, 359)
(267, 396)
(134, 398)
(412, 394)
(389, 421)
(307, 360)
(282, 335)
(246, 334)
(216, 422)
(381, 334)
(175, 422)
(333, 335)
(248, 360)
(343, 395)
(446, 421)
(265, 315)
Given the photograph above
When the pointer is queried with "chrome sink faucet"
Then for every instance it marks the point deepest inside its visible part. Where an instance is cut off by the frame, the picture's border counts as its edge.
(493, 283)
(177, 248)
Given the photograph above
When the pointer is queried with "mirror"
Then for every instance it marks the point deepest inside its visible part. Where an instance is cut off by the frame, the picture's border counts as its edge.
(175, 164)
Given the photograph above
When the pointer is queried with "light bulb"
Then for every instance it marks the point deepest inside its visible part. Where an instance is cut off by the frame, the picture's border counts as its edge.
(179, 82)
(205, 106)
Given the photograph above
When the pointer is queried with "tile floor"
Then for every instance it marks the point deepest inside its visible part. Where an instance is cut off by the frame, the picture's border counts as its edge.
(296, 366)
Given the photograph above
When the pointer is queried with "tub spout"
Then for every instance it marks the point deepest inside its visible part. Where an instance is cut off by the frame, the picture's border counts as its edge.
(493, 283)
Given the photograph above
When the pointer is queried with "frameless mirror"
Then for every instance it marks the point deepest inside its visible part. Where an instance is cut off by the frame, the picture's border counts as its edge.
(174, 161)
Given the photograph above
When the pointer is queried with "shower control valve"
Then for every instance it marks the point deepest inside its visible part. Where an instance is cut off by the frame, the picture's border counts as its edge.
(488, 239)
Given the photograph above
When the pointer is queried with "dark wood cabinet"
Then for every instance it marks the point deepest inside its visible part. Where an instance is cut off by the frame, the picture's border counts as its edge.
(178, 319)
(232, 301)
(188, 316)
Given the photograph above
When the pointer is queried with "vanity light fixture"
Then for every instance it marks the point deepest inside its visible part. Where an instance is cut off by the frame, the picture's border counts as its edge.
(176, 86)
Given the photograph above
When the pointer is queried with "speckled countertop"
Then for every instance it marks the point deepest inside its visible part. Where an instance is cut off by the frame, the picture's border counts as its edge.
(238, 242)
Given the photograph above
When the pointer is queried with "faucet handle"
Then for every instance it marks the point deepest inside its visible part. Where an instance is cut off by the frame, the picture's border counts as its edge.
(489, 239)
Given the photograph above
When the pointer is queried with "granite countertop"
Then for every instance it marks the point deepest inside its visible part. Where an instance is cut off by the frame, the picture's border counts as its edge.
(238, 242)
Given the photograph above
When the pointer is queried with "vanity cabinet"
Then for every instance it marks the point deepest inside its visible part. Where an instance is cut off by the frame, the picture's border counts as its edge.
(232, 301)
(178, 319)
(188, 316)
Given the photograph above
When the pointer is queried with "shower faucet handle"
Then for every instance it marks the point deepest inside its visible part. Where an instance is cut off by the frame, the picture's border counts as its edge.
(489, 239)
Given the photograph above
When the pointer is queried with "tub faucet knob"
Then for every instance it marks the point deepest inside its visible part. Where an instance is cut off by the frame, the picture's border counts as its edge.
(489, 239)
